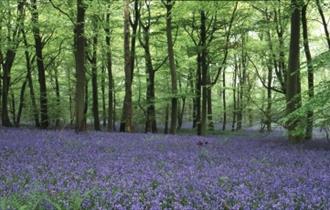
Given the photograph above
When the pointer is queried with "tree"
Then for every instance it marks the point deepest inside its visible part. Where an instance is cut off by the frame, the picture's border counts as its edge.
(109, 70)
(8, 58)
(174, 87)
(94, 74)
(293, 89)
(229, 69)
(310, 71)
(40, 64)
(29, 62)
(126, 123)
(79, 42)
(151, 124)
(204, 73)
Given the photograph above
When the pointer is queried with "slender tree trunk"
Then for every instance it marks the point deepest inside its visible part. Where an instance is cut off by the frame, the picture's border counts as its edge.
(269, 85)
(13, 105)
(94, 76)
(10, 56)
(80, 67)
(21, 103)
(114, 109)
(104, 112)
(279, 64)
(58, 98)
(238, 97)
(167, 110)
(269, 99)
(310, 114)
(183, 106)
(198, 95)
(30, 81)
(204, 73)
(41, 67)
(242, 86)
(324, 22)
(263, 120)
(209, 105)
(71, 112)
(110, 76)
(224, 100)
(86, 102)
(293, 77)
(234, 96)
(170, 50)
(194, 99)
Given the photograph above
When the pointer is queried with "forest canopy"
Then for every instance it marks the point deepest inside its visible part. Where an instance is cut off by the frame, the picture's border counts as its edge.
(166, 66)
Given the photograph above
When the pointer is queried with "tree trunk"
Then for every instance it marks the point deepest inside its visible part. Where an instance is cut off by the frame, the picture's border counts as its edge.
(183, 107)
(7, 63)
(80, 95)
(242, 85)
(13, 105)
(269, 85)
(151, 124)
(234, 95)
(198, 95)
(204, 73)
(10, 56)
(269, 99)
(193, 89)
(104, 112)
(279, 64)
(30, 81)
(114, 108)
(40, 64)
(94, 76)
(21, 103)
(170, 50)
(110, 76)
(126, 122)
(167, 110)
(224, 100)
(58, 98)
(310, 114)
(71, 112)
(86, 102)
(293, 95)
(209, 105)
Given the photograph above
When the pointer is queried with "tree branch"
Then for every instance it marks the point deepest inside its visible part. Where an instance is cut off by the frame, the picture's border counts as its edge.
(61, 11)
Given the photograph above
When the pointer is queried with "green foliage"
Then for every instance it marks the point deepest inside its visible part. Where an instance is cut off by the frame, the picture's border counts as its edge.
(253, 21)
(41, 201)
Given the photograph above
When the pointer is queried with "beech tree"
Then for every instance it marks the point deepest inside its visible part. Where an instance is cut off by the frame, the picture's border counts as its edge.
(79, 43)
(41, 66)
(174, 87)
(310, 70)
(293, 89)
(7, 57)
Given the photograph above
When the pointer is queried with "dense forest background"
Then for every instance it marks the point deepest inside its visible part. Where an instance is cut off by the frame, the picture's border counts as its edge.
(162, 66)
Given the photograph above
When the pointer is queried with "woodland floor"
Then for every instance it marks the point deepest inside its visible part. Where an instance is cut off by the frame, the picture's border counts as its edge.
(99, 170)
